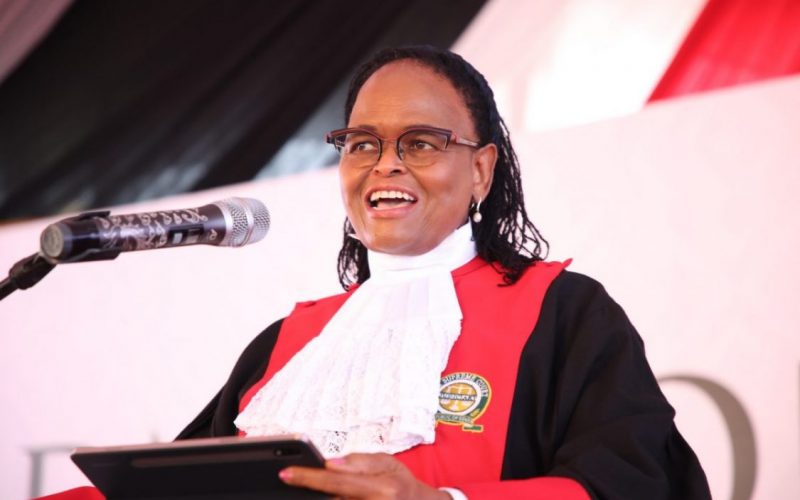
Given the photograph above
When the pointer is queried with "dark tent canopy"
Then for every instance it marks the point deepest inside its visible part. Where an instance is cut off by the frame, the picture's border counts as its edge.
(132, 99)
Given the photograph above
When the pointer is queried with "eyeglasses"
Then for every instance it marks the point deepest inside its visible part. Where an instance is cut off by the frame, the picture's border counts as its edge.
(416, 147)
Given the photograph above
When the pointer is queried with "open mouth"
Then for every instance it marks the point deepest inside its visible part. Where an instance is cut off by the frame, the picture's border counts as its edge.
(385, 200)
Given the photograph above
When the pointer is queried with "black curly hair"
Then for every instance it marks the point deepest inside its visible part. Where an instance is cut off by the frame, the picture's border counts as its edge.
(505, 237)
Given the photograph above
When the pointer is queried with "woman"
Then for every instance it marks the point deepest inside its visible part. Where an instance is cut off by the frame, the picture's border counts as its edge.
(457, 358)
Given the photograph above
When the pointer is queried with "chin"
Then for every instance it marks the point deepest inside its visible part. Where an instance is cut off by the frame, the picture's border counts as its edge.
(396, 245)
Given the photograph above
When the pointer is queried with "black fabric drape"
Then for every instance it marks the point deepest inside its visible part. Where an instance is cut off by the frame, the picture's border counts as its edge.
(126, 100)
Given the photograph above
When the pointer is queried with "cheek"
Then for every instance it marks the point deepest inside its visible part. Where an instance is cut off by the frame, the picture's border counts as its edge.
(450, 193)
(348, 185)
(351, 188)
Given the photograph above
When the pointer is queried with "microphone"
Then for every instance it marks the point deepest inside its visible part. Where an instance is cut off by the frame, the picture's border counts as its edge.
(233, 222)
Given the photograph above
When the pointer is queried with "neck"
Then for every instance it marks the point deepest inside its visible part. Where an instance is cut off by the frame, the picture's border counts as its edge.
(454, 251)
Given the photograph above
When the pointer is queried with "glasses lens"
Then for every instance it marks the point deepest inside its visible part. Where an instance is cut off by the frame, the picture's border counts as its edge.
(357, 146)
(421, 147)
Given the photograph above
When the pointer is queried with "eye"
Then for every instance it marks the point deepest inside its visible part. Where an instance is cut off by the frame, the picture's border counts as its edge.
(360, 143)
(421, 145)
(423, 142)
(363, 146)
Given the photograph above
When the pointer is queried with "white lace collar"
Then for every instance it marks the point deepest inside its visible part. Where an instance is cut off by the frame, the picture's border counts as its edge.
(369, 382)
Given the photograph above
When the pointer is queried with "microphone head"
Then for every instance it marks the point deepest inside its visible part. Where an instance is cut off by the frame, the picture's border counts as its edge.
(246, 220)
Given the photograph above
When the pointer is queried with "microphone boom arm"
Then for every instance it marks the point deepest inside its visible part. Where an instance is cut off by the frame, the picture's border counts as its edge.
(24, 274)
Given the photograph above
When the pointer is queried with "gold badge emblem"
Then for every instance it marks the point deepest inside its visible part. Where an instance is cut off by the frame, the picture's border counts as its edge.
(463, 398)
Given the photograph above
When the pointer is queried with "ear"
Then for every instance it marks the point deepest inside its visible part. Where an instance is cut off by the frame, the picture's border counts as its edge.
(483, 162)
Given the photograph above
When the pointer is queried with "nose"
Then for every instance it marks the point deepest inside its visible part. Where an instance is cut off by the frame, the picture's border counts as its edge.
(389, 163)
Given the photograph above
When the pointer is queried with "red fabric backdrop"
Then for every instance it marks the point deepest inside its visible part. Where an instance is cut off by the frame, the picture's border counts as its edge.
(735, 42)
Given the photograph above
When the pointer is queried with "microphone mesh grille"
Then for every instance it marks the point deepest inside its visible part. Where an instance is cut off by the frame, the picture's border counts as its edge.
(249, 220)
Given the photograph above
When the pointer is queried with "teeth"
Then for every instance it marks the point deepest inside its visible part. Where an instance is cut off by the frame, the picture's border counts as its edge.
(389, 195)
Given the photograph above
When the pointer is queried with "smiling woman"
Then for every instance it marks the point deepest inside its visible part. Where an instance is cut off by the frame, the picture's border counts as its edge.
(457, 362)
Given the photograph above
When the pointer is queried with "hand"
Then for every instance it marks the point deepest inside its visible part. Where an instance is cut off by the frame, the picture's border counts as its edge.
(363, 476)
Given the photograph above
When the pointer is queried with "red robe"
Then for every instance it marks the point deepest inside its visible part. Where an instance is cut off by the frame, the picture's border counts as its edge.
(546, 394)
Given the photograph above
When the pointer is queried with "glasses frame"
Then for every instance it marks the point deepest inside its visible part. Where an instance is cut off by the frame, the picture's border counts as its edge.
(452, 138)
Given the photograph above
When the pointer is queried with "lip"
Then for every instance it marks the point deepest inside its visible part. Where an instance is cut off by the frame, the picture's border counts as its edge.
(389, 213)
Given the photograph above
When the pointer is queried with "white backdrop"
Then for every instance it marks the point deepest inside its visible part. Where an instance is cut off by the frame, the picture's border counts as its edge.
(560, 63)
(687, 212)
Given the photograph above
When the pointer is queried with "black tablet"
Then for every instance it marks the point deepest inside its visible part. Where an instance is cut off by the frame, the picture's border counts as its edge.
(235, 468)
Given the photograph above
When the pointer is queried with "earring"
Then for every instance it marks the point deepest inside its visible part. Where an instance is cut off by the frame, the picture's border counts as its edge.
(476, 215)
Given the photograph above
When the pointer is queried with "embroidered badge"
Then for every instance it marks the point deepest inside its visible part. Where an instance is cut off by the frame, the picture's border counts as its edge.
(463, 397)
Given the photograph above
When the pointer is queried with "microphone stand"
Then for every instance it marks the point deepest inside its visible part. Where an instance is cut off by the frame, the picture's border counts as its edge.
(30, 270)
(24, 274)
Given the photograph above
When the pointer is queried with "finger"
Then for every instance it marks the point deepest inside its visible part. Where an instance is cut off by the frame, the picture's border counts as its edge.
(365, 463)
(341, 484)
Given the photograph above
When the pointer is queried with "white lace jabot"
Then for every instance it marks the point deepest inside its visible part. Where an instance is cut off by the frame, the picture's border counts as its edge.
(369, 382)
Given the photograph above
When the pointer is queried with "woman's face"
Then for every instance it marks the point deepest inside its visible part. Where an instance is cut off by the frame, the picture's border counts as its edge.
(434, 200)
